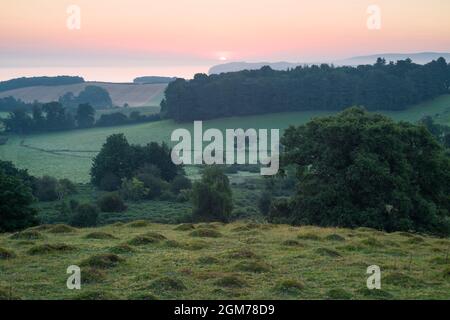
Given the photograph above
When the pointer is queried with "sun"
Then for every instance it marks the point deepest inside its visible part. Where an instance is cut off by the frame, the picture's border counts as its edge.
(222, 58)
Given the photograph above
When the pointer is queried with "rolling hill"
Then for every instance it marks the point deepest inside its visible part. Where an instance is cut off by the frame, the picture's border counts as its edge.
(135, 95)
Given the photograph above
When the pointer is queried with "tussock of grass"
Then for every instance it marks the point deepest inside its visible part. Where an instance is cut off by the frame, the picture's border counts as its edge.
(372, 242)
(207, 260)
(334, 237)
(95, 295)
(50, 248)
(148, 238)
(185, 227)
(292, 243)
(375, 294)
(102, 261)
(308, 236)
(402, 280)
(147, 296)
(196, 245)
(289, 286)
(252, 266)
(138, 224)
(92, 275)
(6, 254)
(99, 235)
(205, 233)
(328, 252)
(42, 227)
(231, 281)
(62, 228)
(246, 227)
(208, 226)
(242, 254)
(173, 244)
(8, 294)
(338, 294)
(122, 248)
(167, 284)
(415, 240)
(27, 235)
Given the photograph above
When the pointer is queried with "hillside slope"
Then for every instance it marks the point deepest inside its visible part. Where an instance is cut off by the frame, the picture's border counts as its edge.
(242, 260)
(134, 94)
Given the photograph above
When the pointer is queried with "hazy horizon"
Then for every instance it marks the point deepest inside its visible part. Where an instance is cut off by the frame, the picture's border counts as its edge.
(117, 43)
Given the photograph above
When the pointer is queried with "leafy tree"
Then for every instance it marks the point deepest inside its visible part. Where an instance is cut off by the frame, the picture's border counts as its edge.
(360, 169)
(96, 96)
(133, 189)
(180, 183)
(15, 201)
(212, 196)
(85, 116)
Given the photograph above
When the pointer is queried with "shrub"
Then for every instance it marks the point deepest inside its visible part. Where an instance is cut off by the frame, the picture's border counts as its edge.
(133, 189)
(154, 186)
(264, 203)
(46, 188)
(110, 182)
(180, 183)
(86, 215)
(212, 196)
(102, 261)
(111, 202)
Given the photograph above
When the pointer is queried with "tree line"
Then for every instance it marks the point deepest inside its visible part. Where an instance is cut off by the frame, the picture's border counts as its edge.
(53, 116)
(382, 86)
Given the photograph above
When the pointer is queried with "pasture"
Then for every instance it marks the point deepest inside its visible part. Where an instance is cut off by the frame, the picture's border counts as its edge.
(242, 260)
(69, 154)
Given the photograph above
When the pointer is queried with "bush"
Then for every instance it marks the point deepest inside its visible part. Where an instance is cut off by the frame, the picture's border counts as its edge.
(154, 186)
(86, 215)
(46, 189)
(212, 196)
(264, 203)
(111, 202)
(110, 182)
(133, 189)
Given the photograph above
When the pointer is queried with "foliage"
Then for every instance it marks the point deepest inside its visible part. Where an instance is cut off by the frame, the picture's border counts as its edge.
(95, 96)
(360, 169)
(381, 86)
(111, 202)
(133, 189)
(85, 215)
(38, 81)
(15, 201)
(85, 116)
(212, 196)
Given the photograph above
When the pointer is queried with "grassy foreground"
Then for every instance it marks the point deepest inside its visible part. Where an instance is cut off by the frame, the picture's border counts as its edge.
(241, 260)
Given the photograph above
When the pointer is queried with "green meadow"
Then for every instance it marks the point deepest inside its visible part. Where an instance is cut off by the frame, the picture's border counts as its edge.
(241, 260)
(69, 154)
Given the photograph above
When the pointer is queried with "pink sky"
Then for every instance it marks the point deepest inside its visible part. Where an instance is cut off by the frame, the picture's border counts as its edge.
(122, 39)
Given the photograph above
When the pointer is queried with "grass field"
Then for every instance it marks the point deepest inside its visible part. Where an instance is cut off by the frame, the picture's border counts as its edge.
(69, 154)
(242, 260)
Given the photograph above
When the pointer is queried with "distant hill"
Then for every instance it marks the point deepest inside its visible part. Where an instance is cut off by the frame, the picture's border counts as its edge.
(38, 81)
(153, 80)
(135, 95)
(420, 58)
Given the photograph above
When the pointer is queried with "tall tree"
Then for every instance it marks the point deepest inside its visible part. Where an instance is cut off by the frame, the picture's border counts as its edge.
(85, 116)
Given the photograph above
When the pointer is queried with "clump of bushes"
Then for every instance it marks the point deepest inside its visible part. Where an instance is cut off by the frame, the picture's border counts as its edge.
(111, 202)
(102, 261)
(50, 189)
